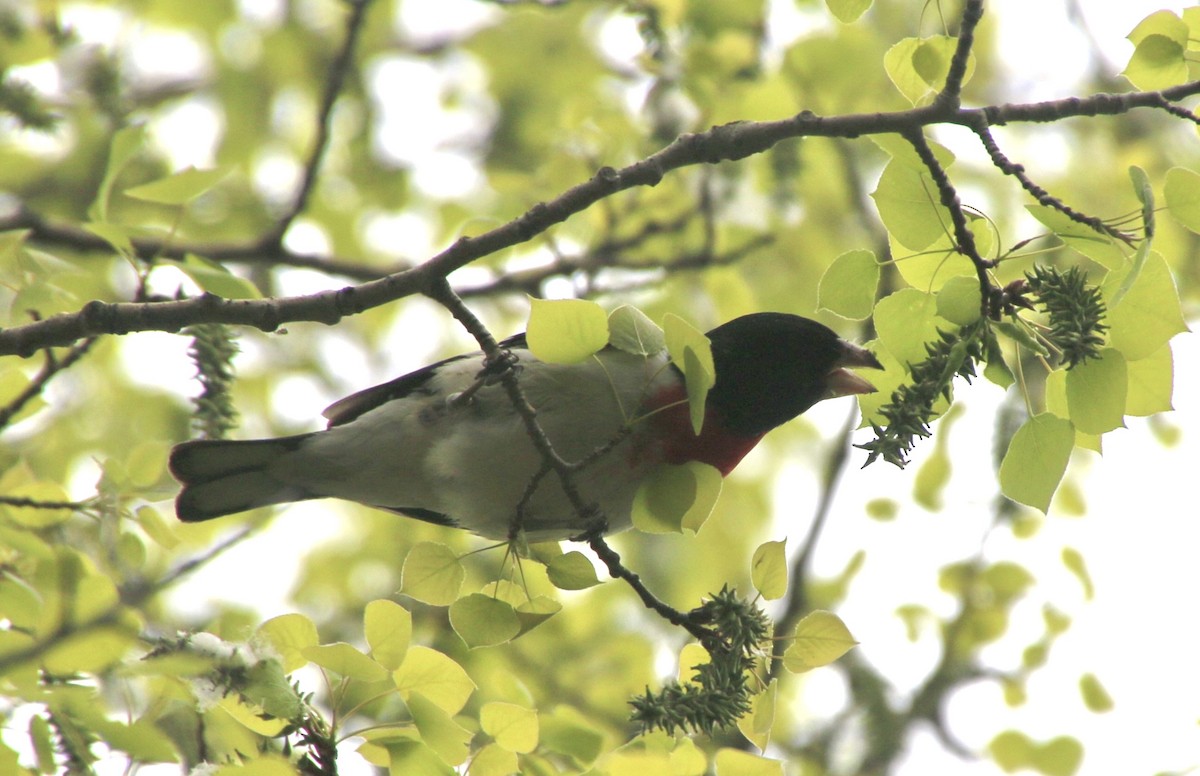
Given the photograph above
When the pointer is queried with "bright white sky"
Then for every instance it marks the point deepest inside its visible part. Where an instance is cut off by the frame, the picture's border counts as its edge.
(1139, 538)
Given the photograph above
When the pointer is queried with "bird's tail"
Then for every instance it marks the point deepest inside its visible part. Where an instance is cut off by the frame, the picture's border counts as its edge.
(221, 477)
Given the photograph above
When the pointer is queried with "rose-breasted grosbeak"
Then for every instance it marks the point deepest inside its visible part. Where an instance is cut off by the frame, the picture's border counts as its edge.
(439, 446)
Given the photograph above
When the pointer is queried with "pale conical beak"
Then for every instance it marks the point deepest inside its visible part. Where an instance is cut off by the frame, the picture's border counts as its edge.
(842, 382)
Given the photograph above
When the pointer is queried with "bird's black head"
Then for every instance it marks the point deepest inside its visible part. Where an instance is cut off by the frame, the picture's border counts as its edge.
(771, 367)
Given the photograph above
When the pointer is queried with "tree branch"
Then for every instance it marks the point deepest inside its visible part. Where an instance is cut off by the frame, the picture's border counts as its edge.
(726, 142)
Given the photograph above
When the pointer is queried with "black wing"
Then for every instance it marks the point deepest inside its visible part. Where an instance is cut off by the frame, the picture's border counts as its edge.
(357, 404)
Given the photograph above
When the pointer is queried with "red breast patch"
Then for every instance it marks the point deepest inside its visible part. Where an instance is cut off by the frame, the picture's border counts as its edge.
(672, 427)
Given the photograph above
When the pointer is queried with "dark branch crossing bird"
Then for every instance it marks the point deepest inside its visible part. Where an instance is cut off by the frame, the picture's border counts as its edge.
(445, 445)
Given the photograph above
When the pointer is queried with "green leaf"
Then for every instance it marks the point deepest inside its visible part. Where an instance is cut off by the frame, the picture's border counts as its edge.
(958, 301)
(849, 285)
(571, 571)
(769, 570)
(346, 660)
(267, 686)
(483, 621)
(493, 760)
(756, 726)
(1150, 384)
(918, 66)
(672, 498)
(513, 727)
(43, 746)
(1096, 393)
(1148, 315)
(37, 518)
(1102, 249)
(908, 205)
(535, 611)
(631, 330)
(178, 188)
(439, 732)
(847, 11)
(414, 758)
(566, 331)
(692, 353)
(906, 320)
(1095, 697)
(435, 676)
(1182, 193)
(215, 278)
(820, 638)
(432, 574)
(1073, 560)
(289, 635)
(1160, 41)
(388, 629)
(1036, 459)
(735, 762)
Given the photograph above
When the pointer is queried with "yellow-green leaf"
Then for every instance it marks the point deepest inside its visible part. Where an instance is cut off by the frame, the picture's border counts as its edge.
(346, 660)
(692, 353)
(909, 207)
(450, 740)
(435, 676)
(1100, 248)
(493, 760)
(1096, 393)
(849, 285)
(672, 498)
(1160, 41)
(958, 301)
(432, 574)
(756, 726)
(535, 611)
(566, 331)
(1181, 190)
(820, 638)
(289, 635)
(1036, 459)
(126, 144)
(735, 762)
(483, 621)
(847, 11)
(571, 571)
(1148, 314)
(388, 629)
(513, 727)
(414, 758)
(178, 188)
(1150, 383)
(215, 278)
(906, 320)
(769, 570)
(631, 330)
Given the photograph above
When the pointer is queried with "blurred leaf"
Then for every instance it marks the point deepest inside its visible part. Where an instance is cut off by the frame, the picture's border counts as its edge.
(847, 11)
(215, 278)
(178, 188)
(1095, 697)
(127, 142)
(1181, 190)
(756, 726)
(1148, 315)
(735, 762)
(1102, 249)
(1150, 384)
(1073, 560)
